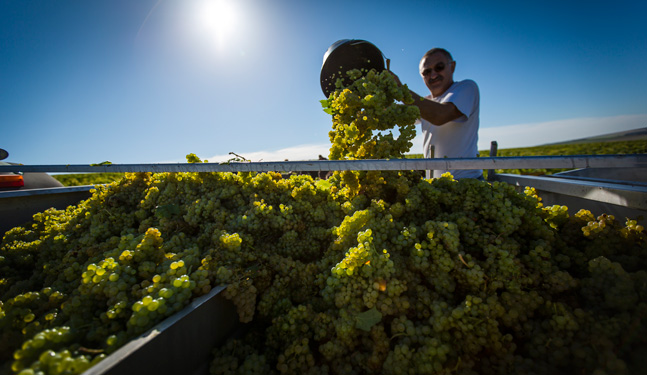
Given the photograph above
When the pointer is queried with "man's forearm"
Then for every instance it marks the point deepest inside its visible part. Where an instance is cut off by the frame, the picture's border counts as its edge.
(434, 112)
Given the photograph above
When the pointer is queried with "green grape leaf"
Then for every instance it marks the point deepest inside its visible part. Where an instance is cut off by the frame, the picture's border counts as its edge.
(325, 104)
(368, 319)
(167, 211)
(253, 269)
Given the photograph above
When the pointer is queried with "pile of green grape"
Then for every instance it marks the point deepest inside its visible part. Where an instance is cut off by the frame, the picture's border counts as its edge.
(362, 274)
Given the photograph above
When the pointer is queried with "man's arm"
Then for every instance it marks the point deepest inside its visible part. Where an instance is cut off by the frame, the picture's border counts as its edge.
(436, 113)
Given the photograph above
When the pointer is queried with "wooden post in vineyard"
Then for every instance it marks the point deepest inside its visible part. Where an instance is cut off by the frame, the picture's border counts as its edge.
(493, 151)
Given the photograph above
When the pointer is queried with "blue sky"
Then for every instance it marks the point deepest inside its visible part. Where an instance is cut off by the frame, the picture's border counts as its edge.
(146, 81)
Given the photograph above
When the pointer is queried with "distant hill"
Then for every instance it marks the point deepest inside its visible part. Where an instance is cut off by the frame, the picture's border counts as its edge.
(628, 135)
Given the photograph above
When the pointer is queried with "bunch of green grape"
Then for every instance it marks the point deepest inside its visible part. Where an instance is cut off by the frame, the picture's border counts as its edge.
(373, 118)
(365, 115)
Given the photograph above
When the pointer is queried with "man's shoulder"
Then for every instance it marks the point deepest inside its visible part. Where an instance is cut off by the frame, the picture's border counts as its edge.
(466, 86)
(457, 88)
(466, 83)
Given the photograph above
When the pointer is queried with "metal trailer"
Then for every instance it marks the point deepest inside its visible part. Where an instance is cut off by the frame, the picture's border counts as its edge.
(600, 193)
(613, 184)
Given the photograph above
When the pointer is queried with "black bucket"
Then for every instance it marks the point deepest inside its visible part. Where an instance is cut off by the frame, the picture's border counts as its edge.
(345, 55)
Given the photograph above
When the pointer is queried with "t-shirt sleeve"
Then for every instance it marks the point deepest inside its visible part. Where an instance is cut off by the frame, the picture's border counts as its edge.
(465, 97)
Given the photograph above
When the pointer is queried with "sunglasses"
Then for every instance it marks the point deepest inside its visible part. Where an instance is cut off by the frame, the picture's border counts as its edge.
(438, 68)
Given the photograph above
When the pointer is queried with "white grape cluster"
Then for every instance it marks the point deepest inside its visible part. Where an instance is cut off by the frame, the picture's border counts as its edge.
(372, 119)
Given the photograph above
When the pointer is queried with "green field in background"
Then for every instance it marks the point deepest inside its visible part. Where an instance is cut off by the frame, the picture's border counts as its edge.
(588, 148)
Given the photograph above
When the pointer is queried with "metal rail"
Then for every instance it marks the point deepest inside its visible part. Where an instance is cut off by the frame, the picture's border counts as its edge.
(518, 162)
(621, 193)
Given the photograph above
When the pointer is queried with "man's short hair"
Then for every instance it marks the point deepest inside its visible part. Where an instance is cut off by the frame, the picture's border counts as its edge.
(438, 50)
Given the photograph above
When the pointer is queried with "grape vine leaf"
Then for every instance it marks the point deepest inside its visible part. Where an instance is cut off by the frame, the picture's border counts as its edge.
(326, 106)
(368, 319)
(167, 211)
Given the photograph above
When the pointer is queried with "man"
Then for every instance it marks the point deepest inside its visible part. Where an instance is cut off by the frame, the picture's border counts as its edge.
(450, 114)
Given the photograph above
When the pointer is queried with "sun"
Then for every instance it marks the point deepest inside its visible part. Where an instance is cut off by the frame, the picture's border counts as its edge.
(217, 20)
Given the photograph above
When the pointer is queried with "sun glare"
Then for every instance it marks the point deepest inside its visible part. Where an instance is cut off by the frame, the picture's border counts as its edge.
(217, 19)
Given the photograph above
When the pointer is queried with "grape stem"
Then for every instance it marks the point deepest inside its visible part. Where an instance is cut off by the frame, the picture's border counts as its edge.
(91, 351)
(463, 260)
(458, 363)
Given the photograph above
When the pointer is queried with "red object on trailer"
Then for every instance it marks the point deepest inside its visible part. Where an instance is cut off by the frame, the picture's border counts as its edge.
(11, 180)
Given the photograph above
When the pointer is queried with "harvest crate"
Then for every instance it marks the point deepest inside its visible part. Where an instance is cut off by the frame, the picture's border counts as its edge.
(183, 342)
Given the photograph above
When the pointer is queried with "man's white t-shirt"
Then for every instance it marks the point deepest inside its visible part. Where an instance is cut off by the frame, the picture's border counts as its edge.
(458, 138)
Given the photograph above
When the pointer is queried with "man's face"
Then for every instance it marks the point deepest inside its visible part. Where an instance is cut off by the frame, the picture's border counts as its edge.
(437, 72)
